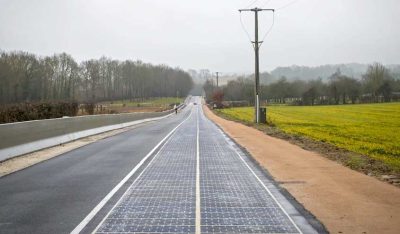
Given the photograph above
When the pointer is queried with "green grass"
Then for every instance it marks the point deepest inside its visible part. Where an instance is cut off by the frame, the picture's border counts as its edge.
(148, 102)
(369, 129)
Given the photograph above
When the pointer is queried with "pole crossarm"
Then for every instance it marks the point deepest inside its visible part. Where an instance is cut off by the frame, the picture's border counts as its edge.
(256, 9)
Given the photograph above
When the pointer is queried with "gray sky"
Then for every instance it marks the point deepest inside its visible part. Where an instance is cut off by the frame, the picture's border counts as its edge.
(205, 33)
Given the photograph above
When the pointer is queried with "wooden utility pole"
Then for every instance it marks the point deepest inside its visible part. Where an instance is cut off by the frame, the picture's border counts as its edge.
(257, 63)
(217, 79)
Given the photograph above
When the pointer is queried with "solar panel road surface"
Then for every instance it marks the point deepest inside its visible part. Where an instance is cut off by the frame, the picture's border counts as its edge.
(200, 182)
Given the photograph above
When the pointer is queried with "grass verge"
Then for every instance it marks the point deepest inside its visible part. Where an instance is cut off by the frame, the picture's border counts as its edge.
(362, 137)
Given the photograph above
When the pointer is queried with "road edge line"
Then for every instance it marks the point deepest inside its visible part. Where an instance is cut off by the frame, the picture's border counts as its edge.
(255, 175)
(263, 185)
(267, 189)
(130, 186)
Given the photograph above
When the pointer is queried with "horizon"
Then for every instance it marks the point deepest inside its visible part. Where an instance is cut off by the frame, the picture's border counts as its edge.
(224, 73)
(207, 34)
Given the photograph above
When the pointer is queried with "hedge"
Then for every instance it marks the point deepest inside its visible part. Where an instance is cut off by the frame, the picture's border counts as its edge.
(33, 111)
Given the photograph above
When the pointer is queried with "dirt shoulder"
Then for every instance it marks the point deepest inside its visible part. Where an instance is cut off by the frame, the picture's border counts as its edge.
(344, 200)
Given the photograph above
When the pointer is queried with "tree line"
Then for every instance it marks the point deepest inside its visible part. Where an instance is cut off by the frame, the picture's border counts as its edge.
(376, 85)
(25, 77)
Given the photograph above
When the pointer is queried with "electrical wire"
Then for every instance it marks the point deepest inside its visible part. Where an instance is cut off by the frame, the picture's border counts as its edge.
(270, 28)
(253, 2)
(265, 4)
(244, 28)
(268, 31)
(273, 19)
(287, 5)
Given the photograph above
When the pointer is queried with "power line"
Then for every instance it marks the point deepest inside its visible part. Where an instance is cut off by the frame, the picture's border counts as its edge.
(253, 2)
(268, 31)
(244, 27)
(270, 28)
(265, 4)
(287, 5)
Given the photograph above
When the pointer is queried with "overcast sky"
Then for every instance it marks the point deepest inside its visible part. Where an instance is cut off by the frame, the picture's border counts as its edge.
(205, 33)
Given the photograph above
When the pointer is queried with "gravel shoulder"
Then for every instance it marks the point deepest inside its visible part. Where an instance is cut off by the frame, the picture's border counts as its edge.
(344, 200)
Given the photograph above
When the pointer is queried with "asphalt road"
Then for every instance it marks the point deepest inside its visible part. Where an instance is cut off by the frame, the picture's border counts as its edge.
(54, 196)
(196, 181)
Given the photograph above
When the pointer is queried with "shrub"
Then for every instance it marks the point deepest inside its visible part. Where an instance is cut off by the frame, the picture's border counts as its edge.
(89, 107)
(33, 111)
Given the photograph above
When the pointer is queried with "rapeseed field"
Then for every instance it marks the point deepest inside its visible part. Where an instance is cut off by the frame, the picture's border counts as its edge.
(369, 129)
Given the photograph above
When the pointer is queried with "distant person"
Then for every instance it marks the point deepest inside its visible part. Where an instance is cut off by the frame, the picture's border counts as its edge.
(176, 109)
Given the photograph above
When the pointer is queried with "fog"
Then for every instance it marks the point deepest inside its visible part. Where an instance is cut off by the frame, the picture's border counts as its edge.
(206, 33)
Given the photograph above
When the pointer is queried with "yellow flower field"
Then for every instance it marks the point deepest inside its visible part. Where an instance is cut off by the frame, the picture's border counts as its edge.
(370, 129)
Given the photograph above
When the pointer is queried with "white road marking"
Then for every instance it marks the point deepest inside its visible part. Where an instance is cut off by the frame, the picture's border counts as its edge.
(198, 210)
(129, 188)
(259, 180)
(231, 144)
(98, 207)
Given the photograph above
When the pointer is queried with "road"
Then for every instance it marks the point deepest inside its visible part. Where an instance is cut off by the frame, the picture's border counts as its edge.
(181, 174)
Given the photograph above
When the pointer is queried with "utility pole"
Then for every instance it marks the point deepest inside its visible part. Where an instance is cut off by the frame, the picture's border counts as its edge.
(217, 78)
(257, 63)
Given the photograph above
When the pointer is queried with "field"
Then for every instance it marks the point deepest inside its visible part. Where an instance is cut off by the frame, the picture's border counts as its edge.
(148, 102)
(148, 105)
(368, 129)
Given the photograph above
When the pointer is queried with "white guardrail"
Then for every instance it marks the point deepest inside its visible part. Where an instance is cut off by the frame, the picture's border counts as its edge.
(26, 137)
